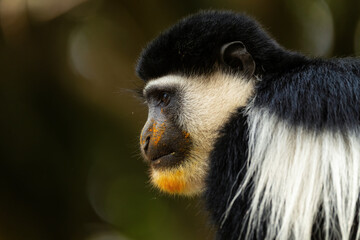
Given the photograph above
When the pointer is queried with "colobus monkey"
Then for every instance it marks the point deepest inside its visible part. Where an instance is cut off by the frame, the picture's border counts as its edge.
(270, 138)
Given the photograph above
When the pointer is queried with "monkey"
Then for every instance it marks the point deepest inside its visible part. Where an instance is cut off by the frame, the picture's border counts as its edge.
(268, 137)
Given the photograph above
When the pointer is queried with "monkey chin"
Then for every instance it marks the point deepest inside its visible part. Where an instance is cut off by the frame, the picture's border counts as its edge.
(177, 181)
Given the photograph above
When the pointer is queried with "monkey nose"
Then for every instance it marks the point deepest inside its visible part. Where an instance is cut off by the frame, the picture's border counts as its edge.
(146, 144)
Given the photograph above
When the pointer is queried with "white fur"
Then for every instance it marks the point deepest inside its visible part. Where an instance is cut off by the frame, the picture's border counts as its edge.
(294, 171)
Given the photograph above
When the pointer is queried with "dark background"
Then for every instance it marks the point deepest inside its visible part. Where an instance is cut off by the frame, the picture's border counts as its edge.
(69, 161)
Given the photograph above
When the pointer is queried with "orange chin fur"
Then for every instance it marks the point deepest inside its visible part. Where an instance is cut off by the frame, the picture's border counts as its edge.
(173, 181)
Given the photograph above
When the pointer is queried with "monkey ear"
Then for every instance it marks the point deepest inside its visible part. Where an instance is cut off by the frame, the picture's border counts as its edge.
(235, 55)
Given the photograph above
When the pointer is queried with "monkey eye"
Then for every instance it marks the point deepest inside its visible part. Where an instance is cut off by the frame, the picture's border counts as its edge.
(164, 98)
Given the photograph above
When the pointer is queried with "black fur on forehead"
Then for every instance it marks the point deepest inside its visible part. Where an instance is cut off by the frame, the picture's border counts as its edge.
(192, 46)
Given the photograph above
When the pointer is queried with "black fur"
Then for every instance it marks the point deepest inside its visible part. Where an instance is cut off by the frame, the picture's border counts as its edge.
(225, 176)
(315, 93)
(192, 46)
(318, 94)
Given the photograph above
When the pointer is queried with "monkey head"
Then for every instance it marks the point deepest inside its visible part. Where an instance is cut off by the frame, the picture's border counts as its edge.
(197, 74)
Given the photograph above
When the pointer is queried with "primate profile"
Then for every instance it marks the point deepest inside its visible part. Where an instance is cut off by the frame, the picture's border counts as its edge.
(268, 137)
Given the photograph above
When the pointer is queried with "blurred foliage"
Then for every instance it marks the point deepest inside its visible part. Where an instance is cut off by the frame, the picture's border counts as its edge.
(69, 159)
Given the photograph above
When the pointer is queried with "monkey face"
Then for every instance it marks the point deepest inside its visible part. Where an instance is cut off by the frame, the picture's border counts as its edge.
(184, 119)
(186, 113)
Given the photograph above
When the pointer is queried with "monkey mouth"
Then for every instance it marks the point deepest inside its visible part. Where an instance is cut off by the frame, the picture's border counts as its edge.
(165, 161)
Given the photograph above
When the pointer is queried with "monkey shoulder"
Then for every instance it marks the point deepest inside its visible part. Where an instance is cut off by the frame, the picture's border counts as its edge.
(319, 94)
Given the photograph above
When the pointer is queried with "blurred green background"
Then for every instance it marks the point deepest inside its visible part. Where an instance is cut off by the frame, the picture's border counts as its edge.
(69, 160)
